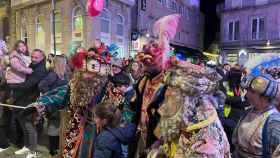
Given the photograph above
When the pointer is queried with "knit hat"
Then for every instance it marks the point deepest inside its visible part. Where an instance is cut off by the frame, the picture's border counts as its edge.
(264, 85)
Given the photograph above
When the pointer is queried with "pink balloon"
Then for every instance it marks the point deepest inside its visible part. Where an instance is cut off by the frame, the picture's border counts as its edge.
(95, 7)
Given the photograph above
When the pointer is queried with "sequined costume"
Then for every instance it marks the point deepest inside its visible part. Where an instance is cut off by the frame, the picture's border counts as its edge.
(80, 131)
(189, 126)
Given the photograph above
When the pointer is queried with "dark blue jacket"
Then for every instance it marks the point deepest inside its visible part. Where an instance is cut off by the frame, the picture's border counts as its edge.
(108, 142)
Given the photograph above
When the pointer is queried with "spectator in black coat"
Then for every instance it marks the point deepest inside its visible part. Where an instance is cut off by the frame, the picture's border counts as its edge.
(236, 101)
(28, 93)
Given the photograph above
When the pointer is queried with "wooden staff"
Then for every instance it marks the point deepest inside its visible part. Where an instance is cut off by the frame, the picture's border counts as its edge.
(12, 106)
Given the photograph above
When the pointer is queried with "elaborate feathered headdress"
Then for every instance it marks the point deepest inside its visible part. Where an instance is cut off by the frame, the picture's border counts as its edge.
(80, 57)
(165, 28)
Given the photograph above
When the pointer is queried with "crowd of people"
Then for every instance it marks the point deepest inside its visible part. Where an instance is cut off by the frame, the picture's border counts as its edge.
(155, 106)
(273, 71)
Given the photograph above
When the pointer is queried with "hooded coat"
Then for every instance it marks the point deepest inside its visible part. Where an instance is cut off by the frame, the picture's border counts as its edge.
(108, 142)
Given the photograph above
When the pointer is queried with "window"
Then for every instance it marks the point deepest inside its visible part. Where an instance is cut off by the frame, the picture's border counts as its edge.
(143, 5)
(40, 33)
(258, 29)
(24, 35)
(120, 35)
(163, 2)
(261, 2)
(233, 31)
(105, 21)
(186, 13)
(173, 5)
(58, 32)
(236, 3)
(120, 26)
(77, 24)
(180, 10)
(24, 30)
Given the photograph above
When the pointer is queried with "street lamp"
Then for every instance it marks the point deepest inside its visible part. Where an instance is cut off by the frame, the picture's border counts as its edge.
(53, 26)
(147, 35)
(268, 43)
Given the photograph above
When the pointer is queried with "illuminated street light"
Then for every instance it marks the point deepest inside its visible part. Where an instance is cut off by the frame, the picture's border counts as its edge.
(242, 57)
(268, 43)
(242, 51)
(147, 35)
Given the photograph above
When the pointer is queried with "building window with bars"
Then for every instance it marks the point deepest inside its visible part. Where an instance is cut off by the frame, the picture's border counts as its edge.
(24, 34)
(77, 24)
(261, 2)
(173, 5)
(120, 35)
(163, 2)
(105, 21)
(58, 32)
(258, 28)
(233, 31)
(40, 33)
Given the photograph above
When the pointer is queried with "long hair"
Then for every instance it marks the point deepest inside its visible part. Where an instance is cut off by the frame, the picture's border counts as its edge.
(60, 66)
(15, 48)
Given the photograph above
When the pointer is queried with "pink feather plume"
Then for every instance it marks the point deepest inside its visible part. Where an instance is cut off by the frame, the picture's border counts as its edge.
(166, 28)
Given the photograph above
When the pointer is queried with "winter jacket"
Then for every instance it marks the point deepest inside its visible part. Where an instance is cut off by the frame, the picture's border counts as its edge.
(108, 142)
(52, 81)
(238, 108)
(18, 69)
(30, 87)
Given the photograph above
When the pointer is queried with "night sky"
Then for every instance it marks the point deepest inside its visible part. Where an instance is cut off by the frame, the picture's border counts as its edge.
(212, 22)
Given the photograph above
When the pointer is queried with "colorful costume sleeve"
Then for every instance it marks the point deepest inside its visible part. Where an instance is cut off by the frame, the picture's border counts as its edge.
(55, 97)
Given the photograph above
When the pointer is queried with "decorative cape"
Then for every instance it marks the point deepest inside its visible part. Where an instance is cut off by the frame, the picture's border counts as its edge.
(189, 125)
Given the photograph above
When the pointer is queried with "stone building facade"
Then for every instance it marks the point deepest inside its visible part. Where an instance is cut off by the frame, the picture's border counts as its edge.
(249, 27)
(190, 33)
(32, 21)
(4, 19)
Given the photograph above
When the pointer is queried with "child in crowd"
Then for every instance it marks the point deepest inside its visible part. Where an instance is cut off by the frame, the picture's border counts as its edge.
(19, 64)
(110, 136)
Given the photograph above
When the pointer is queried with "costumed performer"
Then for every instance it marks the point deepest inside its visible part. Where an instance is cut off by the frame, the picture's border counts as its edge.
(155, 94)
(189, 125)
(257, 134)
(86, 89)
